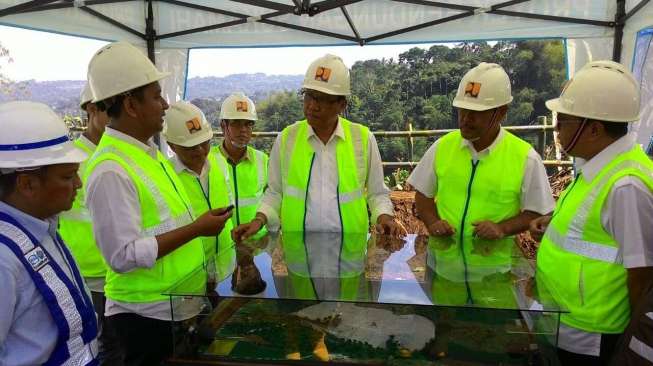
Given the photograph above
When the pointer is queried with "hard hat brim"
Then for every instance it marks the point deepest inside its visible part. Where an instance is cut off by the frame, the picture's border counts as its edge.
(159, 76)
(63, 154)
(325, 90)
(555, 105)
(192, 142)
(464, 104)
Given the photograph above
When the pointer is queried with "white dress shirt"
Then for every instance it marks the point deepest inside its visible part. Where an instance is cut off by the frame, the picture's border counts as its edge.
(627, 216)
(112, 200)
(322, 201)
(536, 195)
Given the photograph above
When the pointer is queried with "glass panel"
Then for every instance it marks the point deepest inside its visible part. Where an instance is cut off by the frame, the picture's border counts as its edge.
(365, 299)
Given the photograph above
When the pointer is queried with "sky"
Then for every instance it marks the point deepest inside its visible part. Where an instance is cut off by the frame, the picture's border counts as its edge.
(44, 56)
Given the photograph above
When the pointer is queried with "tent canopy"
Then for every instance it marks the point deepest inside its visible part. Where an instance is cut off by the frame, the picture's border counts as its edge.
(183, 24)
(167, 29)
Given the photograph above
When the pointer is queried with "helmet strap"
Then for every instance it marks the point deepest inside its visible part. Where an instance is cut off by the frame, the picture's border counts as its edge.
(567, 149)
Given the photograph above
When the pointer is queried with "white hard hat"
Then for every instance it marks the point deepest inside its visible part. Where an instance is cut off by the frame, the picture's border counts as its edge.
(238, 106)
(328, 74)
(34, 136)
(600, 90)
(186, 125)
(120, 67)
(86, 96)
(484, 87)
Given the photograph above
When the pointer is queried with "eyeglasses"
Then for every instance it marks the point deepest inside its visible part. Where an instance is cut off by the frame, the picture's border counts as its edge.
(242, 124)
(323, 99)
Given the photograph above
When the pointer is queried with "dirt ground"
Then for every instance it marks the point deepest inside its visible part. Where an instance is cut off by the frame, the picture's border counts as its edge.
(405, 211)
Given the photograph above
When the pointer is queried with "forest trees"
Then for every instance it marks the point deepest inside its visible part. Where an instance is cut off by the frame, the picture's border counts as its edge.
(418, 87)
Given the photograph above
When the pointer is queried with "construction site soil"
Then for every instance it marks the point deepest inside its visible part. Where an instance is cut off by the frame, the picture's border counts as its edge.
(406, 212)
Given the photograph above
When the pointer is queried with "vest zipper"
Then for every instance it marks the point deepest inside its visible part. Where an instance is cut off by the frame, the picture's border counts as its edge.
(233, 169)
(207, 194)
(308, 183)
(470, 299)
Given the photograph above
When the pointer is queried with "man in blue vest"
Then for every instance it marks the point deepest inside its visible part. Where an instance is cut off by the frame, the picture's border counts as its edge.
(596, 252)
(47, 315)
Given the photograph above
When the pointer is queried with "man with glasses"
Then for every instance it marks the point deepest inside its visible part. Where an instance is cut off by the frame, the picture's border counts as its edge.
(479, 185)
(596, 250)
(325, 171)
(248, 167)
(204, 175)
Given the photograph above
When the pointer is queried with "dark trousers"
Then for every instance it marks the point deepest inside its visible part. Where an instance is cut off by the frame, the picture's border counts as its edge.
(110, 349)
(608, 345)
(146, 341)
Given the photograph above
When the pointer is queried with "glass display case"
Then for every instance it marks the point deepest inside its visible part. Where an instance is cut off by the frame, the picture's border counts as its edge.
(311, 298)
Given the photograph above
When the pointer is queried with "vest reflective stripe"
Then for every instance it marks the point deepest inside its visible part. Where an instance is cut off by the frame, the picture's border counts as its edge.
(164, 206)
(66, 299)
(584, 248)
(168, 223)
(578, 261)
(76, 228)
(641, 348)
(218, 196)
(352, 158)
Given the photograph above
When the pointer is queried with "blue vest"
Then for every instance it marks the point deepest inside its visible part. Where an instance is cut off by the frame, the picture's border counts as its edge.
(69, 305)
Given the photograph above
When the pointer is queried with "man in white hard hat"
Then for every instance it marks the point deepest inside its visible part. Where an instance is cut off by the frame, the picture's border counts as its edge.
(142, 217)
(76, 229)
(481, 183)
(47, 315)
(596, 251)
(204, 175)
(248, 167)
(325, 171)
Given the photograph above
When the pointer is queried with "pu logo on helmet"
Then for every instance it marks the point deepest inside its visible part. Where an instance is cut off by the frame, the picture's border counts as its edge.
(322, 74)
(193, 125)
(36, 258)
(241, 106)
(472, 89)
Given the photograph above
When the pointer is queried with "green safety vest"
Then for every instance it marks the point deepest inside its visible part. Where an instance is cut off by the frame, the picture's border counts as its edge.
(76, 229)
(469, 191)
(351, 267)
(456, 280)
(217, 195)
(165, 206)
(578, 261)
(248, 180)
(296, 166)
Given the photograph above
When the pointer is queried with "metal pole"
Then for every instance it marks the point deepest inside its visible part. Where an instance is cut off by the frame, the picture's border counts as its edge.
(620, 22)
(150, 36)
(150, 32)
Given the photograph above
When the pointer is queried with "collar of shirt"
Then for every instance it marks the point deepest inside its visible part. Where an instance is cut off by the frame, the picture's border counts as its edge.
(592, 167)
(181, 167)
(226, 155)
(150, 148)
(338, 132)
(487, 150)
(86, 142)
(37, 227)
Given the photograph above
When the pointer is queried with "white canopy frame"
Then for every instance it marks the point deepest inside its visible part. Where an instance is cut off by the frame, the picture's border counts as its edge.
(167, 29)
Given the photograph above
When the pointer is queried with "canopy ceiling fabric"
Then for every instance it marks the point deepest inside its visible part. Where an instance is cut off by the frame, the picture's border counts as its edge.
(256, 23)
(172, 27)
